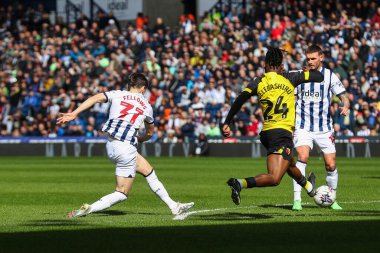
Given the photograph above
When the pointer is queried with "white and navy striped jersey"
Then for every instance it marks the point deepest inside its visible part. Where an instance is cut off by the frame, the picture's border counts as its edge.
(126, 114)
(313, 102)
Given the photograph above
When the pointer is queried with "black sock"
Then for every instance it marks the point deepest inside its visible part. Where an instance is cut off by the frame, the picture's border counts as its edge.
(302, 181)
(251, 182)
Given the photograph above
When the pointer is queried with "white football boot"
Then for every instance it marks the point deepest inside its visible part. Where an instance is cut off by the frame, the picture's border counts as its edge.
(181, 208)
(82, 211)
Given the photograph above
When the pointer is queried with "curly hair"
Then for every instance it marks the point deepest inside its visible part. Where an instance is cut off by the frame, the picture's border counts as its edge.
(274, 57)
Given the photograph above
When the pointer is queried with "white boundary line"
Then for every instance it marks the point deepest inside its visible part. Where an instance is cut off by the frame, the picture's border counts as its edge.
(346, 202)
(183, 216)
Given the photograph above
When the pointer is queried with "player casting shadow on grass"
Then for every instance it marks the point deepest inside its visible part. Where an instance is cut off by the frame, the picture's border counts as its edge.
(314, 121)
(276, 97)
(128, 110)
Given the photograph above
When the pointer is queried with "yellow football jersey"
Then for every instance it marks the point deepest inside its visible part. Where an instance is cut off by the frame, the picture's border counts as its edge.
(276, 97)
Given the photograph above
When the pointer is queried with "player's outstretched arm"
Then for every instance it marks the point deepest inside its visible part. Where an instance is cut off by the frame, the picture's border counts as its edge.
(67, 117)
(313, 76)
(296, 78)
(239, 101)
(149, 130)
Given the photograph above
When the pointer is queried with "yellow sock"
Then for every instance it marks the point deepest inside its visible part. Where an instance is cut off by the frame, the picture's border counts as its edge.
(308, 186)
(244, 183)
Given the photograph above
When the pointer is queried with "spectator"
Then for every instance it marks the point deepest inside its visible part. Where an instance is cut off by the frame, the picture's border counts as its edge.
(254, 126)
(364, 131)
(201, 147)
(170, 138)
(188, 130)
(376, 18)
(213, 130)
(197, 69)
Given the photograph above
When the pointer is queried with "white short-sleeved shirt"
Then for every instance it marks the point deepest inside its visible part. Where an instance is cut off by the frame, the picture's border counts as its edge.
(127, 112)
(313, 102)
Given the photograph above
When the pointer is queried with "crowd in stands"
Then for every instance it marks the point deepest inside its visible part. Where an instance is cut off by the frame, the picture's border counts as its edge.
(196, 69)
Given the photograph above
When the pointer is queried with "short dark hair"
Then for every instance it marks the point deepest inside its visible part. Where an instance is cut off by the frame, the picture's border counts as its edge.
(137, 80)
(314, 49)
(273, 57)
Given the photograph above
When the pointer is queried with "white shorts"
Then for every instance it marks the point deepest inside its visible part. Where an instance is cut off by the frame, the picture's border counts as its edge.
(324, 140)
(124, 156)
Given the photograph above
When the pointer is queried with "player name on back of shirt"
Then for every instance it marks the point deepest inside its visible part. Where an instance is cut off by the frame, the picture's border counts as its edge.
(135, 98)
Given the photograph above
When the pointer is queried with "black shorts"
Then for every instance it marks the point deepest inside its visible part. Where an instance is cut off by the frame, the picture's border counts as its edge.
(278, 141)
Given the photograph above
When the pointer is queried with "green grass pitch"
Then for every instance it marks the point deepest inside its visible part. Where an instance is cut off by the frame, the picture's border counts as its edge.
(35, 194)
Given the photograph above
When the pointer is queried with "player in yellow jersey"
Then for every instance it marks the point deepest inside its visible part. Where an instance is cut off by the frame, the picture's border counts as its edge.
(275, 90)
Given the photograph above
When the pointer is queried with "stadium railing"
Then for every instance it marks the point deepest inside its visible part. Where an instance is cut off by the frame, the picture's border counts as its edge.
(231, 147)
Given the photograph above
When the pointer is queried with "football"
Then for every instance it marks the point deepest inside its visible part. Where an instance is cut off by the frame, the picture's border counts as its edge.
(325, 196)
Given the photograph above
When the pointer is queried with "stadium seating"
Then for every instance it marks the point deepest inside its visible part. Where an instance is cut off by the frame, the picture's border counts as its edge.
(196, 69)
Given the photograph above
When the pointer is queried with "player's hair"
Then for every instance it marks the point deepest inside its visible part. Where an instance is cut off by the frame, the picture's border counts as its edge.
(274, 57)
(137, 80)
(314, 49)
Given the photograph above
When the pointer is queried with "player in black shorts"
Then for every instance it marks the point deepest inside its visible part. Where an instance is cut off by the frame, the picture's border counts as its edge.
(278, 141)
(276, 97)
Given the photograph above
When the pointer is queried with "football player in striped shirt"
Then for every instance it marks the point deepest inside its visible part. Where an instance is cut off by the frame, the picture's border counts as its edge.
(314, 122)
(128, 110)
(275, 91)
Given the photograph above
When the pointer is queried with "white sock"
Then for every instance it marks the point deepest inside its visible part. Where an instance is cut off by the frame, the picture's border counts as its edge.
(158, 188)
(332, 178)
(296, 187)
(108, 201)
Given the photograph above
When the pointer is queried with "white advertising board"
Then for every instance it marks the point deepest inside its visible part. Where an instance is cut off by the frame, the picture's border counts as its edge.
(122, 9)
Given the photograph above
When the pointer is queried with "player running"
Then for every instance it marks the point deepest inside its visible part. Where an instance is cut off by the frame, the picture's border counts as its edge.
(276, 97)
(314, 122)
(128, 110)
